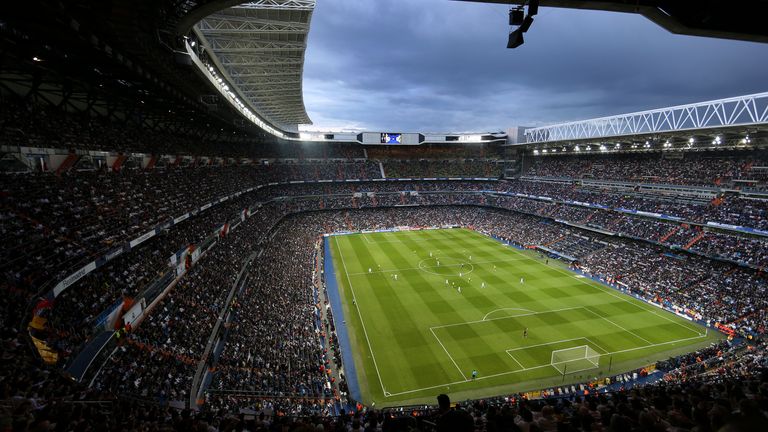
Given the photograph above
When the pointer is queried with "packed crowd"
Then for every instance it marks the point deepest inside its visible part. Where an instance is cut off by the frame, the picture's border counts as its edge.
(158, 360)
(733, 210)
(438, 152)
(34, 125)
(684, 169)
(74, 313)
(444, 168)
(273, 348)
(51, 224)
(725, 245)
(704, 289)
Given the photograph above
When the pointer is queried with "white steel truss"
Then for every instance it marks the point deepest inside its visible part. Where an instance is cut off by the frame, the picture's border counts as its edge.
(258, 47)
(280, 4)
(736, 111)
(247, 61)
(237, 25)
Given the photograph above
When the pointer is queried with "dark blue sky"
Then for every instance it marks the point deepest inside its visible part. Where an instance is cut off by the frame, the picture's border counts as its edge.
(443, 66)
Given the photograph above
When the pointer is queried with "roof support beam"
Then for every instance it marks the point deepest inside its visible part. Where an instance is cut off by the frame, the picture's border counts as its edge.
(735, 111)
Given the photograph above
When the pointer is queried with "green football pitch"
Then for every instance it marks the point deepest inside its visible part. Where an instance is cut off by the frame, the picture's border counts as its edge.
(427, 308)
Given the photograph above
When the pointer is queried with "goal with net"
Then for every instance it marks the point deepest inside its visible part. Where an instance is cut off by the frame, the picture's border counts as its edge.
(579, 358)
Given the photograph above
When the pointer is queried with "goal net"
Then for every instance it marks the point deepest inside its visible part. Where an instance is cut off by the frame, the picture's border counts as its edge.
(575, 359)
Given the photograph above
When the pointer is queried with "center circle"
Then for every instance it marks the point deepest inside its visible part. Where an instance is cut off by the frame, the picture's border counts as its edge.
(448, 266)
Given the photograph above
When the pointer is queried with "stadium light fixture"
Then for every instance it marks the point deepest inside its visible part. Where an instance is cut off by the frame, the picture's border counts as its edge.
(516, 16)
(577, 148)
(535, 152)
(690, 140)
(37, 59)
(589, 148)
(515, 39)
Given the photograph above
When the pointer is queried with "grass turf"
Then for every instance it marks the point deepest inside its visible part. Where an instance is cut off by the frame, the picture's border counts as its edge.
(417, 336)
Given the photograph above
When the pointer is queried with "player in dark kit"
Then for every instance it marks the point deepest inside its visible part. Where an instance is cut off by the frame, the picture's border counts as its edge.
(525, 332)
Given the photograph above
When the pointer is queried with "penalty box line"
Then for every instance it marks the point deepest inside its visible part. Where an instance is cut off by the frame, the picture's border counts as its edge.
(496, 375)
(604, 353)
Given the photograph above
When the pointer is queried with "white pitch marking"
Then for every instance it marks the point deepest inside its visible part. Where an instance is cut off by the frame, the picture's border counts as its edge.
(449, 354)
(516, 361)
(618, 325)
(497, 310)
(545, 343)
(354, 301)
(532, 368)
(508, 317)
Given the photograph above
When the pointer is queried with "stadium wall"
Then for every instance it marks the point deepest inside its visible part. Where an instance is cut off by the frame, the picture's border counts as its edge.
(350, 372)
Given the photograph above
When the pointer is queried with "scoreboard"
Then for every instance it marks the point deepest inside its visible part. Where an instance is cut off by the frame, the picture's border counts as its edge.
(400, 138)
(390, 138)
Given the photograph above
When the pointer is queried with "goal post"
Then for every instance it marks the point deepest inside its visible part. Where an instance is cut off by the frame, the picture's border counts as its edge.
(576, 359)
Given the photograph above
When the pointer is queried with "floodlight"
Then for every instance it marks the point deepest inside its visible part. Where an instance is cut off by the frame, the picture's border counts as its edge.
(515, 39)
(516, 16)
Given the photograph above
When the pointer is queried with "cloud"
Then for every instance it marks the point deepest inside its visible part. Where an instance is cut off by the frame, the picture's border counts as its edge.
(439, 65)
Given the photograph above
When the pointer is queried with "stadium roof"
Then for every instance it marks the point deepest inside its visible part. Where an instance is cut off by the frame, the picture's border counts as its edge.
(259, 48)
(745, 111)
(736, 122)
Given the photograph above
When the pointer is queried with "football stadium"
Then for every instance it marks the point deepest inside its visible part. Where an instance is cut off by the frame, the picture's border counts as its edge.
(238, 216)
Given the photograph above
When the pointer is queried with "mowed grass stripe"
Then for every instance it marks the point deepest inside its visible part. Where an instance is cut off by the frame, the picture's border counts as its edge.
(390, 318)
(507, 284)
(432, 305)
(552, 303)
(440, 300)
